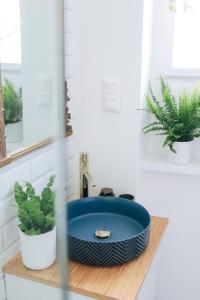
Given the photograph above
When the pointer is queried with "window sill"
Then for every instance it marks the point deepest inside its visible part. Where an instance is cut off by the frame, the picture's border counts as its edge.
(172, 72)
(158, 163)
(11, 67)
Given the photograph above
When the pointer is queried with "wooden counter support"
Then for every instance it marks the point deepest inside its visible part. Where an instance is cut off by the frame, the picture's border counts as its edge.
(115, 283)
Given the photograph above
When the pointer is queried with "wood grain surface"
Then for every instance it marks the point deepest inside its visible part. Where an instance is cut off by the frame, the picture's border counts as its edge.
(105, 283)
(25, 150)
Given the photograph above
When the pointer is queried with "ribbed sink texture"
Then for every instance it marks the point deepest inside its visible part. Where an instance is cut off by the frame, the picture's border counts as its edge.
(106, 231)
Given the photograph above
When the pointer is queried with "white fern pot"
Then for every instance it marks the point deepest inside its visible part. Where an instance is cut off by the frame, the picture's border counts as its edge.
(38, 251)
(14, 132)
(183, 153)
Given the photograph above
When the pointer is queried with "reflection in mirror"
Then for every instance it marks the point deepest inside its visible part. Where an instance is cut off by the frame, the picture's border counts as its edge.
(26, 53)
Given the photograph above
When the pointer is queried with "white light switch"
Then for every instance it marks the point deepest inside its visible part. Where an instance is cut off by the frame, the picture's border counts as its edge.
(111, 95)
(44, 93)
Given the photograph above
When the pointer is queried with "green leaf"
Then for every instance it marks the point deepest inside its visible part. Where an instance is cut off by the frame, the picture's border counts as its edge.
(179, 120)
(30, 191)
(12, 103)
(50, 221)
(20, 195)
(36, 213)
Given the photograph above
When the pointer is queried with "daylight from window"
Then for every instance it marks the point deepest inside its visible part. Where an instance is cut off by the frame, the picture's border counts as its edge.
(186, 41)
(10, 41)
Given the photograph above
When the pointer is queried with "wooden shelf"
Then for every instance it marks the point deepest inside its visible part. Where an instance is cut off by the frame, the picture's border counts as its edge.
(114, 283)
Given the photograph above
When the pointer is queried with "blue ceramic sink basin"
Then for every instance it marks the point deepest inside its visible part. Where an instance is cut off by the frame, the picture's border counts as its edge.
(107, 231)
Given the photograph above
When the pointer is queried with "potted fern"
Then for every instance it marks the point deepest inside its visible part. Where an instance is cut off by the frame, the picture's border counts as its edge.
(178, 121)
(12, 102)
(37, 225)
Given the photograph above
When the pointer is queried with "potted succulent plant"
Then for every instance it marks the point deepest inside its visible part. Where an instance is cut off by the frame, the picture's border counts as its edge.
(37, 225)
(178, 121)
(12, 102)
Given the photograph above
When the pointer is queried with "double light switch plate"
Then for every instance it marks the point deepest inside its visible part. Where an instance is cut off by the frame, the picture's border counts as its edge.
(111, 95)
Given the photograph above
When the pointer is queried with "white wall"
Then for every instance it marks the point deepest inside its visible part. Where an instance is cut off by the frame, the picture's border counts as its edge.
(172, 195)
(107, 43)
(177, 197)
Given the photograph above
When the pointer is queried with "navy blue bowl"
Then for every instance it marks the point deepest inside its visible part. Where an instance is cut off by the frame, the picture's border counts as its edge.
(106, 231)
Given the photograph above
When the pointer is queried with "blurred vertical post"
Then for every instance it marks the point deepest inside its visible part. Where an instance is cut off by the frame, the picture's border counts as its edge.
(58, 96)
(2, 124)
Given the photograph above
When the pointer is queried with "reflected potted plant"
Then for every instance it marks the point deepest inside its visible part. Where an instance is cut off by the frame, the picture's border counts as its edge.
(178, 121)
(12, 102)
(37, 225)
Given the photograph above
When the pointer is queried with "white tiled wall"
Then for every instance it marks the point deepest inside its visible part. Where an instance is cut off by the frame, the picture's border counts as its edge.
(36, 168)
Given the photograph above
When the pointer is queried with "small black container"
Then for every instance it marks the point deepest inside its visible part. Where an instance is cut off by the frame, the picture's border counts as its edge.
(127, 196)
(107, 192)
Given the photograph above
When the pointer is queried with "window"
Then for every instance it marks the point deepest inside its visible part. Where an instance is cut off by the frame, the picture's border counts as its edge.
(186, 41)
(183, 42)
(10, 40)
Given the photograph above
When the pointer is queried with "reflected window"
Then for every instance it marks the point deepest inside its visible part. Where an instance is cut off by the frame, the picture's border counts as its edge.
(10, 38)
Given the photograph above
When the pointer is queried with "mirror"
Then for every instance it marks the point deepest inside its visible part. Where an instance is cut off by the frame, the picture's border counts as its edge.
(27, 54)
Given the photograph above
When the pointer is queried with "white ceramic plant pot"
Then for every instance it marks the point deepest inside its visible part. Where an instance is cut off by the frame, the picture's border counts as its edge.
(38, 251)
(14, 132)
(183, 153)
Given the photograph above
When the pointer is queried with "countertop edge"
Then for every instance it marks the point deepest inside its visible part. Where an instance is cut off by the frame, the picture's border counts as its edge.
(12, 269)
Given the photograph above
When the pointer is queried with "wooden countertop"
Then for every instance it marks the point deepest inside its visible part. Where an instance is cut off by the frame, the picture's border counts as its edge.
(105, 283)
